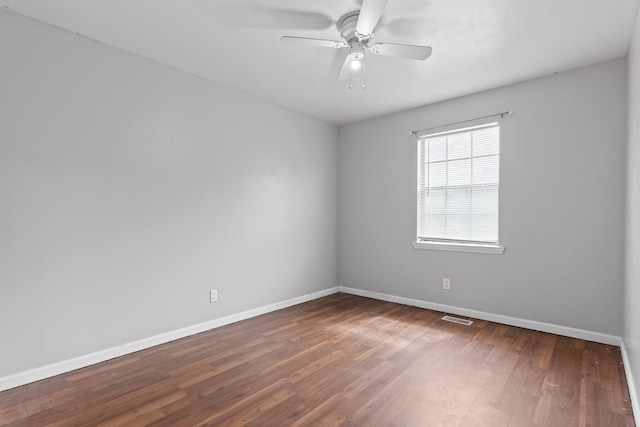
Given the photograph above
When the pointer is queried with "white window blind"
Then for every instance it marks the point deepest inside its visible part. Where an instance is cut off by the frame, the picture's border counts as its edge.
(458, 183)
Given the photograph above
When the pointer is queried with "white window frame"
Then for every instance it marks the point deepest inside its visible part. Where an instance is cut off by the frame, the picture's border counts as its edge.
(453, 245)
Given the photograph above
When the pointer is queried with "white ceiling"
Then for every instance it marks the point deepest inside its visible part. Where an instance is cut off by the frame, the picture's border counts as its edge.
(477, 44)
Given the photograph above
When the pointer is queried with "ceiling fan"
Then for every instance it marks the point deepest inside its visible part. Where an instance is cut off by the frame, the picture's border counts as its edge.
(357, 32)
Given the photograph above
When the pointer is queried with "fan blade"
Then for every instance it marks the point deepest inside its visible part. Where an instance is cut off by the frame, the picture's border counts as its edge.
(299, 19)
(402, 50)
(370, 14)
(305, 41)
(246, 16)
(409, 28)
(346, 69)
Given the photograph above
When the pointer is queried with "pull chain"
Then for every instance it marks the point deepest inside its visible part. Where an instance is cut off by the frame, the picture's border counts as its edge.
(350, 67)
(364, 72)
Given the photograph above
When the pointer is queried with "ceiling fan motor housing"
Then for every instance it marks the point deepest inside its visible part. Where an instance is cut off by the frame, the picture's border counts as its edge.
(347, 27)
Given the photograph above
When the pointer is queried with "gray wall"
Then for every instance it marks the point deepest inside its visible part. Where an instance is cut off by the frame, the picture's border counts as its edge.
(562, 204)
(129, 190)
(632, 290)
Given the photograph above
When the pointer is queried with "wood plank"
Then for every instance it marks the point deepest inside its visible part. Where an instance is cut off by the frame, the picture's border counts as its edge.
(341, 361)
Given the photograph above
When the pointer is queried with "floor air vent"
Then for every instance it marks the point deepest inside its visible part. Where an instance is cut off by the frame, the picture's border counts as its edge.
(457, 320)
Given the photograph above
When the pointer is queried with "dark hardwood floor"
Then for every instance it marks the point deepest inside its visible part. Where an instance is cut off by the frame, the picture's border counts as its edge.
(341, 361)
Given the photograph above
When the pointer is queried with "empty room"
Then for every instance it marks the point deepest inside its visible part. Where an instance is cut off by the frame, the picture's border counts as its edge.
(340, 213)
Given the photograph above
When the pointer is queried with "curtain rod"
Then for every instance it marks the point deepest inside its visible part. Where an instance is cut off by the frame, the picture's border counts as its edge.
(504, 113)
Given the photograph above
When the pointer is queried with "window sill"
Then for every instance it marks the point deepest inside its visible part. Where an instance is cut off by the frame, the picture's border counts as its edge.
(461, 247)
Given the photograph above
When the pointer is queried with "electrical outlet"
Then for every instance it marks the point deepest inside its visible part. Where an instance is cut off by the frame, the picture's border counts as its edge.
(446, 283)
(213, 295)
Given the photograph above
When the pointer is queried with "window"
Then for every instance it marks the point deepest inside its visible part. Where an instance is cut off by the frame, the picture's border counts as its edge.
(458, 188)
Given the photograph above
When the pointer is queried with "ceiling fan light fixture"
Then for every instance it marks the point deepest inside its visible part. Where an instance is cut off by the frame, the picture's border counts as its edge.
(357, 58)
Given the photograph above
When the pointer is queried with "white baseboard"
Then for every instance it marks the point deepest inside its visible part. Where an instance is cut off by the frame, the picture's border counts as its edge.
(633, 393)
(497, 318)
(64, 366)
